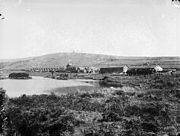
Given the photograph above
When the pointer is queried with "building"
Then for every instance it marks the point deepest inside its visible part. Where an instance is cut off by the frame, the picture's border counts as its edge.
(81, 70)
(71, 69)
(123, 69)
(140, 71)
(144, 70)
(158, 68)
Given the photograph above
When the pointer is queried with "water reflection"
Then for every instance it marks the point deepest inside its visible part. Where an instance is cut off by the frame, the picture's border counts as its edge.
(37, 85)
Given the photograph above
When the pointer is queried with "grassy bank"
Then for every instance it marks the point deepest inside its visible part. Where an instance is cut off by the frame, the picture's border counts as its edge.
(143, 106)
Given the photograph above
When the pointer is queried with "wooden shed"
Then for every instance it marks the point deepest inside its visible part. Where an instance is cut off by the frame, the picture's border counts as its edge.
(113, 70)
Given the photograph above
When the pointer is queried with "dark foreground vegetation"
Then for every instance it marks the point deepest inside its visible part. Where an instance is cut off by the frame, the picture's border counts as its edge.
(143, 106)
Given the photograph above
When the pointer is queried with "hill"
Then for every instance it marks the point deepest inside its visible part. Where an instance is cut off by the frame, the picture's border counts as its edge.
(84, 59)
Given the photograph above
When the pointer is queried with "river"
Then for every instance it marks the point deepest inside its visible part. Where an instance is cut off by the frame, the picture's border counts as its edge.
(37, 85)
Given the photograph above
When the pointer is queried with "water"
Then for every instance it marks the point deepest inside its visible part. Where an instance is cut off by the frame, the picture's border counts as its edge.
(37, 85)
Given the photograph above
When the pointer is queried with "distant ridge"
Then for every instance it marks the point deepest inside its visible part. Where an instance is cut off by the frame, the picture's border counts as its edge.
(86, 59)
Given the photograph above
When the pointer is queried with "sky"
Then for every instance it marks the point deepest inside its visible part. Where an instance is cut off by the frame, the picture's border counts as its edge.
(114, 27)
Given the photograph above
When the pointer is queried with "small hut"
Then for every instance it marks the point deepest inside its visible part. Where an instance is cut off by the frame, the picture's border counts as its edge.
(158, 68)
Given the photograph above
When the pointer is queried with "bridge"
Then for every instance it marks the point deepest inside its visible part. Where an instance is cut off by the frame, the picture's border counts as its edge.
(47, 69)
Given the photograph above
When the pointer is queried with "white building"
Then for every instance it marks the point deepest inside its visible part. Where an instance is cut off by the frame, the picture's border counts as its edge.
(158, 68)
(125, 69)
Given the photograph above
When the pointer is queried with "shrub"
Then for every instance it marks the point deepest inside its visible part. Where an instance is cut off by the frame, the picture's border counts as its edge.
(34, 122)
(19, 75)
(119, 92)
(132, 110)
(3, 105)
(111, 116)
(150, 127)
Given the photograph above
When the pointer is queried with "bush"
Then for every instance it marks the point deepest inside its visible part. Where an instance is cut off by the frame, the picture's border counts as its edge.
(111, 116)
(132, 110)
(19, 75)
(34, 122)
(150, 127)
(3, 106)
(119, 92)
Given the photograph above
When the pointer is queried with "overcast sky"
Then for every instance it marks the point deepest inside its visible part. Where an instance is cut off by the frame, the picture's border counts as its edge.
(116, 27)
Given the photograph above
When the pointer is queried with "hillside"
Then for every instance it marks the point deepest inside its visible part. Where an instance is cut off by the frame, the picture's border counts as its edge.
(84, 59)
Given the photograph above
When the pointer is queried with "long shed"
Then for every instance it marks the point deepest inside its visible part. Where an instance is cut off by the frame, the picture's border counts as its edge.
(113, 70)
(140, 71)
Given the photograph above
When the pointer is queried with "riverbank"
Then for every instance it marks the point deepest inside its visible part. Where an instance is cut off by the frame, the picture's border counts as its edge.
(66, 76)
(72, 90)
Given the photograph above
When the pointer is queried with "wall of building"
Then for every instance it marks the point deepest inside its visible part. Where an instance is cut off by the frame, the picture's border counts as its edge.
(111, 70)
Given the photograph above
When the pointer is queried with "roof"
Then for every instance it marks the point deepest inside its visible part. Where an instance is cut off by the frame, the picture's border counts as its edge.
(139, 67)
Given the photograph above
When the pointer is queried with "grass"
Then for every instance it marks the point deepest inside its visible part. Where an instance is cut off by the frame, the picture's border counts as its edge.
(143, 106)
